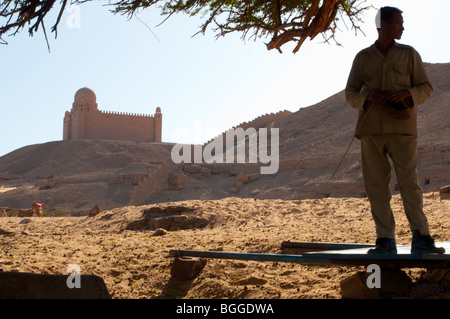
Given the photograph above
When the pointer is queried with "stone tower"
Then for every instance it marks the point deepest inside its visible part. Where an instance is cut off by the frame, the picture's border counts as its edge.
(86, 121)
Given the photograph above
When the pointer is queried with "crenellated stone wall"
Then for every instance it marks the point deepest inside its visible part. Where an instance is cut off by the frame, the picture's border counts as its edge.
(85, 121)
(259, 122)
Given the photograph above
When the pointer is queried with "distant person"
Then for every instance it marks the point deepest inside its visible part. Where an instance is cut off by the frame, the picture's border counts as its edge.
(386, 84)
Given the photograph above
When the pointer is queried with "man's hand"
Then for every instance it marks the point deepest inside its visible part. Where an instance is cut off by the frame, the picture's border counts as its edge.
(377, 96)
(394, 96)
(397, 96)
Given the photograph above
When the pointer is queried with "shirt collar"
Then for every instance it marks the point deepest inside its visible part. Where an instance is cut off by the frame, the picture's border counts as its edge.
(373, 48)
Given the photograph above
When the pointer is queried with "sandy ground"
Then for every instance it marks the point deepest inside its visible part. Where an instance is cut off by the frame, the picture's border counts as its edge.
(135, 263)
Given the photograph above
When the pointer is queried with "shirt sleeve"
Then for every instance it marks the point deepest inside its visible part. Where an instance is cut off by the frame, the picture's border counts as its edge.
(421, 87)
(354, 93)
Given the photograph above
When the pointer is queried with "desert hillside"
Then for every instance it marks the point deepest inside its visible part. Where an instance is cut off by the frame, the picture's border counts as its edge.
(73, 176)
(148, 206)
(128, 249)
(325, 129)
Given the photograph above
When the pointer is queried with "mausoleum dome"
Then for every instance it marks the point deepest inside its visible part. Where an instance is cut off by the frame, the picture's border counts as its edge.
(85, 97)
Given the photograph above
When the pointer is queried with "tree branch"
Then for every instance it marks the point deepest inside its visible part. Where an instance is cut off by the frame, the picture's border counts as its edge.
(283, 20)
(55, 26)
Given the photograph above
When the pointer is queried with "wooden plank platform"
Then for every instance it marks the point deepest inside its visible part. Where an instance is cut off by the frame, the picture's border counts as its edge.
(317, 246)
(338, 256)
(403, 259)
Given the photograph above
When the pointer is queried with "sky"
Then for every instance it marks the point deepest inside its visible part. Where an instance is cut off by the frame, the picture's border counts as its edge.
(203, 85)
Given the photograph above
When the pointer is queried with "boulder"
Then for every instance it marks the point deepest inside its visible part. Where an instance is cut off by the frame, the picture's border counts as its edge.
(192, 168)
(355, 287)
(394, 283)
(169, 218)
(187, 268)
(253, 177)
(16, 285)
(241, 179)
(436, 275)
(177, 180)
(6, 232)
(94, 211)
(444, 192)
(159, 232)
(25, 221)
(177, 222)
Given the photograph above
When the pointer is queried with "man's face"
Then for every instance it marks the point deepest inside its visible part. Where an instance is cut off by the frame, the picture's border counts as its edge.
(394, 28)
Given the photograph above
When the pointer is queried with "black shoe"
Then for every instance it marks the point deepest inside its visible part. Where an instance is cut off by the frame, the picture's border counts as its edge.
(424, 244)
(384, 246)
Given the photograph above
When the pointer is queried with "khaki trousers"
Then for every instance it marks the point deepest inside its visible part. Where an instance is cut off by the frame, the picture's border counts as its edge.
(402, 150)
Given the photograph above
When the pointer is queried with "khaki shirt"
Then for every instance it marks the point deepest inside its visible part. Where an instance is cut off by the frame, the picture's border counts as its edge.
(400, 69)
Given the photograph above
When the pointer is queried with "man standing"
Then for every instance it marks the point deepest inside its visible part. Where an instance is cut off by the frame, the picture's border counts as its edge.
(386, 84)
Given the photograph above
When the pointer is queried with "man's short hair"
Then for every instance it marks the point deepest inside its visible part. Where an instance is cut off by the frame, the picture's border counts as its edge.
(386, 14)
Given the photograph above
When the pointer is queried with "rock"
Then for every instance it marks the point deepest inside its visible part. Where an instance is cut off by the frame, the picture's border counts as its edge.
(170, 218)
(234, 170)
(187, 268)
(355, 287)
(435, 275)
(140, 224)
(6, 232)
(160, 232)
(253, 177)
(3, 213)
(177, 222)
(25, 221)
(241, 178)
(176, 181)
(192, 168)
(206, 172)
(115, 272)
(16, 285)
(215, 168)
(394, 283)
(94, 211)
(444, 192)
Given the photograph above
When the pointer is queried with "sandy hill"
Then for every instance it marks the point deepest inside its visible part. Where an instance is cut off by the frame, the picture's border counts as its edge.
(73, 176)
(325, 129)
(312, 143)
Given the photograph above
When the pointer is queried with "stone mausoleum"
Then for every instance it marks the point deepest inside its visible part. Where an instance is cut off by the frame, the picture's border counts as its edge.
(86, 121)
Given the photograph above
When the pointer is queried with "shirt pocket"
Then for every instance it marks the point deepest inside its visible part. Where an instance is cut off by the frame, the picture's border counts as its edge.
(402, 74)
